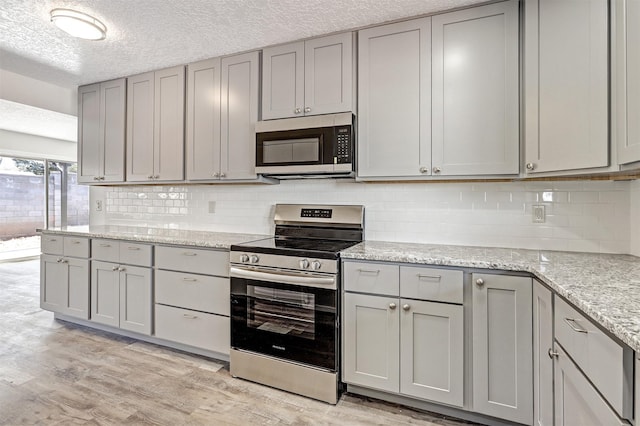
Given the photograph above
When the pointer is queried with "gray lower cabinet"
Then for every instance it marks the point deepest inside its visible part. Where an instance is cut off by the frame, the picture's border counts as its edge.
(576, 400)
(542, 361)
(502, 346)
(121, 296)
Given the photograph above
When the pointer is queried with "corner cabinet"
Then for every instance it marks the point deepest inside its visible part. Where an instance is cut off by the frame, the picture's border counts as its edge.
(101, 132)
(502, 346)
(566, 85)
(222, 110)
(309, 77)
(627, 103)
(155, 126)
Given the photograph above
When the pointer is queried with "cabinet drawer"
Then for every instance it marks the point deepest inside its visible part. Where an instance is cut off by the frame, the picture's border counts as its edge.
(193, 328)
(210, 262)
(377, 278)
(105, 250)
(598, 356)
(440, 285)
(76, 247)
(52, 244)
(135, 254)
(199, 292)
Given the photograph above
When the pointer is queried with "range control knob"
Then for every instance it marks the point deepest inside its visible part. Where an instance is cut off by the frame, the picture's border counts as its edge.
(315, 265)
(304, 263)
(244, 258)
(254, 258)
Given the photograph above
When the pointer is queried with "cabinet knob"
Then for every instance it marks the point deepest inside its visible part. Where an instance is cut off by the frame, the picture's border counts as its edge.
(436, 170)
(216, 174)
(392, 306)
(424, 170)
(307, 109)
(156, 177)
(223, 175)
(479, 282)
(553, 354)
(406, 307)
(150, 177)
(96, 177)
(297, 111)
(115, 268)
(530, 166)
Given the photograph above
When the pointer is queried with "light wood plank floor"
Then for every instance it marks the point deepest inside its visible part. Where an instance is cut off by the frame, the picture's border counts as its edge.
(53, 372)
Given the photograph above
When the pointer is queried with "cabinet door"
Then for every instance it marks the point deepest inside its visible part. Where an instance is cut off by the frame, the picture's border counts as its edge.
(328, 74)
(168, 129)
(502, 349)
(240, 99)
(283, 81)
(77, 302)
(140, 149)
(475, 91)
(135, 299)
(542, 363)
(90, 144)
(576, 400)
(105, 293)
(566, 77)
(432, 351)
(394, 106)
(203, 120)
(628, 84)
(371, 342)
(53, 283)
(112, 129)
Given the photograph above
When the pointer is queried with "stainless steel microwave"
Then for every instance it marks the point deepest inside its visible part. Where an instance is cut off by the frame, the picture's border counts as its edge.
(315, 146)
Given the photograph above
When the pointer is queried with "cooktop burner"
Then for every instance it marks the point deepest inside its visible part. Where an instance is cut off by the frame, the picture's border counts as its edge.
(303, 247)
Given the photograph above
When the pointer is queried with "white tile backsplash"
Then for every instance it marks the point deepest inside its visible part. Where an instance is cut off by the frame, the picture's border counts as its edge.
(580, 216)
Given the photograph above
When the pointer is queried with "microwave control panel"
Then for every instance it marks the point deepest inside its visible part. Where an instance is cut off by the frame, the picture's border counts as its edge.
(343, 145)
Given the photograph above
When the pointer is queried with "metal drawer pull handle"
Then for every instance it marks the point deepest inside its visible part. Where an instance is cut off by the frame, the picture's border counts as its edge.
(75, 242)
(190, 316)
(571, 322)
(191, 280)
(429, 277)
(105, 245)
(190, 253)
(52, 240)
(553, 354)
(369, 271)
(133, 248)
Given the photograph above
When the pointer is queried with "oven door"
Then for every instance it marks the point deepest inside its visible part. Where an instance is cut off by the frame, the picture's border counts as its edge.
(284, 320)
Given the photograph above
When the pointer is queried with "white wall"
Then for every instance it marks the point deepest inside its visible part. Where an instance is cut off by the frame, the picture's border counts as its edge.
(581, 215)
(634, 194)
(14, 144)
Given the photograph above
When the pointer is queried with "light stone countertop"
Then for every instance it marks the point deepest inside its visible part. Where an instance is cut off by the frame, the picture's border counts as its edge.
(606, 287)
(208, 239)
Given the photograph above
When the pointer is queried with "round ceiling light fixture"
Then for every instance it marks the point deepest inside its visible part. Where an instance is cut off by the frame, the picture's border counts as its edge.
(78, 24)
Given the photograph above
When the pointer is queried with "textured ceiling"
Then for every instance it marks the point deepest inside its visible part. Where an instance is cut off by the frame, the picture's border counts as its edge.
(143, 35)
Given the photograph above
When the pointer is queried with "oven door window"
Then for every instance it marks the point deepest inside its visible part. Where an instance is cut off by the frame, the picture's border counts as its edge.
(279, 311)
(287, 321)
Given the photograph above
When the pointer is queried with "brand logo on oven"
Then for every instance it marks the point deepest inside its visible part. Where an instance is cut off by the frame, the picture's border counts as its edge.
(280, 348)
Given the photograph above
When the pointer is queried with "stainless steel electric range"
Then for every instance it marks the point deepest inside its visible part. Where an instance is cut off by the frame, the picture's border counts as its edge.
(285, 300)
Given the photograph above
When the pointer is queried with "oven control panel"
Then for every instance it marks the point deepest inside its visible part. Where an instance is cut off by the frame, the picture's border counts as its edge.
(284, 262)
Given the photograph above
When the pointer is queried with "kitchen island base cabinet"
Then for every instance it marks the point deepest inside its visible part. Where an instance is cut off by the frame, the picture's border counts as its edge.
(64, 285)
(502, 346)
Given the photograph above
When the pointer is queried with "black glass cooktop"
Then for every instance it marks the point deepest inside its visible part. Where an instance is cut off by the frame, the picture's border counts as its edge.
(303, 247)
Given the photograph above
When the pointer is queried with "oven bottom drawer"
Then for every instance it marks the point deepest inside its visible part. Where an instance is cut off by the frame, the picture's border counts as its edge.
(193, 328)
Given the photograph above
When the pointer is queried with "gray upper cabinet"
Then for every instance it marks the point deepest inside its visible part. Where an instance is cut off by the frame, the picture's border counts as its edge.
(155, 126)
(475, 91)
(566, 85)
(222, 109)
(394, 100)
(308, 77)
(627, 104)
(101, 132)
(502, 347)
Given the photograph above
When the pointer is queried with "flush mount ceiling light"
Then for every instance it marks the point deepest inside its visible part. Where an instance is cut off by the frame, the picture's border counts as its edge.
(78, 24)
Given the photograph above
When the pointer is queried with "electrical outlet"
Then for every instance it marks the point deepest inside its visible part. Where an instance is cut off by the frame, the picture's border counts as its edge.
(212, 206)
(538, 214)
(98, 205)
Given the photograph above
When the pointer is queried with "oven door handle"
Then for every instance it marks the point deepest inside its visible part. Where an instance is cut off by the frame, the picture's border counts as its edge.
(309, 281)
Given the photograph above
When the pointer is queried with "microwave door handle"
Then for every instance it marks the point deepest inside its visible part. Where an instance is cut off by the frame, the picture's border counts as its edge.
(310, 281)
